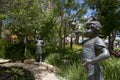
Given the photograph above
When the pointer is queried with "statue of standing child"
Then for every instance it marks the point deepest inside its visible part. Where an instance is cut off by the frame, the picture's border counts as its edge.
(39, 44)
(94, 51)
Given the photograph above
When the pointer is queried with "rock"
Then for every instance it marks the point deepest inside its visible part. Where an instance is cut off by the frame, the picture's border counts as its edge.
(29, 61)
(49, 76)
(4, 60)
(43, 71)
(43, 68)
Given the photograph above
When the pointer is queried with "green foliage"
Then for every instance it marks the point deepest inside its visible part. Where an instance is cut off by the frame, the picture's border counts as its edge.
(75, 72)
(107, 11)
(67, 54)
(116, 49)
(28, 19)
(68, 63)
(15, 74)
(14, 52)
(2, 48)
(48, 49)
(111, 68)
(54, 59)
(70, 54)
(2, 17)
(31, 51)
(25, 20)
(48, 29)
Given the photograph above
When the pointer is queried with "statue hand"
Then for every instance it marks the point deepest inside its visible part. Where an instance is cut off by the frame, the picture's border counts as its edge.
(86, 62)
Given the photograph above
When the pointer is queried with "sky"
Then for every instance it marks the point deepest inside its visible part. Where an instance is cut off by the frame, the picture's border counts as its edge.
(89, 11)
(88, 14)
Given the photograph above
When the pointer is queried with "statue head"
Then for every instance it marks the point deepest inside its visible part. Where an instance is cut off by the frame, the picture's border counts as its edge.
(92, 28)
(38, 37)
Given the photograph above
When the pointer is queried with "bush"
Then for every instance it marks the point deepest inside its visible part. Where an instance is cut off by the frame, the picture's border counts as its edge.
(111, 68)
(70, 54)
(15, 74)
(14, 51)
(75, 72)
(2, 49)
(47, 50)
(31, 51)
(53, 58)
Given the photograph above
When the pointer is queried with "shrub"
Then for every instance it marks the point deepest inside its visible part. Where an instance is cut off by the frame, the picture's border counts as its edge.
(31, 51)
(2, 49)
(53, 58)
(111, 68)
(75, 72)
(15, 74)
(14, 51)
(70, 54)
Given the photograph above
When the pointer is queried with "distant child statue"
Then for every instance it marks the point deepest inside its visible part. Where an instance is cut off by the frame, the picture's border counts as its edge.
(94, 51)
(40, 43)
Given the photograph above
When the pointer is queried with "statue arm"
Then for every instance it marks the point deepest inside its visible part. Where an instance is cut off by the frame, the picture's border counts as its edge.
(102, 56)
(104, 53)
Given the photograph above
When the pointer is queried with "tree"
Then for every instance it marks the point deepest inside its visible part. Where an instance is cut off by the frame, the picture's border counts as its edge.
(27, 19)
(24, 19)
(108, 15)
(64, 11)
(3, 5)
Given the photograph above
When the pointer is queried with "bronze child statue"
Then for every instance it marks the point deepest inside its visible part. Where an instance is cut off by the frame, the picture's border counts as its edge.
(39, 45)
(94, 51)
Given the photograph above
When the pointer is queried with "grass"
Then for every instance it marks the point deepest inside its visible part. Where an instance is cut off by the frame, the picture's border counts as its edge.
(75, 46)
(74, 70)
(111, 68)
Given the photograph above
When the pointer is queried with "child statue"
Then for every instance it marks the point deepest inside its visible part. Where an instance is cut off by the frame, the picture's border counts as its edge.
(39, 44)
(94, 51)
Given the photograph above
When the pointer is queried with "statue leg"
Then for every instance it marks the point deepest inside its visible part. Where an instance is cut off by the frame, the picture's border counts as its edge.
(40, 58)
(98, 73)
(94, 72)
(91, 77)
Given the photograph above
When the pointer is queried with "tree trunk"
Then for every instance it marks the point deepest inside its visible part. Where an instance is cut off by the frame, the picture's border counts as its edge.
(111, 39)
(60, 35)
(77, 38)
(64, 40)
(25, 42)
(71, 40)
(0, 28)
(60, 43)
